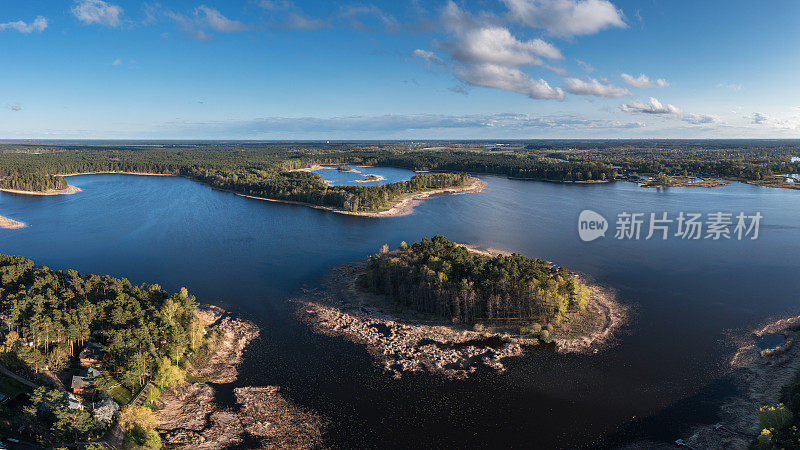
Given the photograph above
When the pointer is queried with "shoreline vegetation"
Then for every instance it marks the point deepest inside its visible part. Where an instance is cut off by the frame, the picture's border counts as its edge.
(403, 339)
(762, 413)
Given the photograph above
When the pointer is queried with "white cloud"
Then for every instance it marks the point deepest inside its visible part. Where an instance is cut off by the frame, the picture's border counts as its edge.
(14, 107)
(298, 21)
(429, 56)
(97, 12)
(354, 16)
(653, 106)
(489, 55)
(276, 5)
(475, 42)
(585, 66)
(117, 62)
(593, 87)
(642, 81)
(217, 22)
(509, 79)
(566, 17)
(38, 25)
(759, 118)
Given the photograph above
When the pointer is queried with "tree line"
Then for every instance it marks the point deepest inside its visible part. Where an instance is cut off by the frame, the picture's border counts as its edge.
(33, 182)
(440, 277)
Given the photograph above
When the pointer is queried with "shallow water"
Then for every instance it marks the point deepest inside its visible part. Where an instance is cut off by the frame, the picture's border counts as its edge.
(665, 371)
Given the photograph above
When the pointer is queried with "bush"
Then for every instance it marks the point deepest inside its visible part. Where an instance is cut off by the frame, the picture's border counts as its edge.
(403, 246)
(544, 336)
(775, 417)
(478, 327)
(532, 329)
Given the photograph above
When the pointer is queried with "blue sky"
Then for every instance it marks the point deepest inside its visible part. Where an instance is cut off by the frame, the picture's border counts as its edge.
(280, 69)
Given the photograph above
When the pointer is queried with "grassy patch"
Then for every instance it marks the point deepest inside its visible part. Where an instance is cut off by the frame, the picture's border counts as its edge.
(193, 379)
(121, 395)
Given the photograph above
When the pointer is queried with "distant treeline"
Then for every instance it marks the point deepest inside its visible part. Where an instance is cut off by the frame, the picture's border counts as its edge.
(263, 169)
(440, 277)
(33, 182)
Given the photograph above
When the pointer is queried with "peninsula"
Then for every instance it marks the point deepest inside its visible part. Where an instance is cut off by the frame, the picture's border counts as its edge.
(109, 340)
(445, 308)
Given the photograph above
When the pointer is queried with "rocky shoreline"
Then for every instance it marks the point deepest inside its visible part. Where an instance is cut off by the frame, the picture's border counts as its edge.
(190, 416)
(761, 373)
(402, 342)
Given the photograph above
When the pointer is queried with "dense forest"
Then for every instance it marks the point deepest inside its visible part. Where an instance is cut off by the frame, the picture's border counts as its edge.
(780, 424)
(33, 182)
(47, 315)
(440, 277)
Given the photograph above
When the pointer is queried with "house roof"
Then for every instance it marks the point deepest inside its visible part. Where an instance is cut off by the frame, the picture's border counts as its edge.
(79, 382)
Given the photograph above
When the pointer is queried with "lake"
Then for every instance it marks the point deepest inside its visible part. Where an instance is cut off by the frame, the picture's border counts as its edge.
(341, 178)
(665, 371)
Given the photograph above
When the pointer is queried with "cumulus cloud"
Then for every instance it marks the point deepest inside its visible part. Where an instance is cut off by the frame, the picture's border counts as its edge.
(14, 107)
(38, 25)
(217, 22)
(566, 17)
(653, 106)
(475, 42)
(509, 79)
(97, 12)
(593, 87)
(643, 81)
(276, 5)
(489, 55)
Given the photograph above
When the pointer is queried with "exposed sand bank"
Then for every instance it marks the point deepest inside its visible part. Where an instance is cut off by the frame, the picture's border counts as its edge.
(146, 174)
(11, 224)
(761, 374)
(371, 179)
(68, 191)
(684, 182)
(403, 341)
(190, 416)
(404, 206)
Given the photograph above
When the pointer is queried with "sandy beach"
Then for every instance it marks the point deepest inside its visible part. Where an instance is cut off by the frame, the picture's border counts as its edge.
(11, 224)
(68, 191)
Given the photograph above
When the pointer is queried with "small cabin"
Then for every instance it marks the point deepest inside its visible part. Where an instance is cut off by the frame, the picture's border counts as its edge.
(82, 383)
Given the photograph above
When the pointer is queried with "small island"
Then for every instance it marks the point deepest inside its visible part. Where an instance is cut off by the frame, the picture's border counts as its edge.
(36, 184)
(442, 307)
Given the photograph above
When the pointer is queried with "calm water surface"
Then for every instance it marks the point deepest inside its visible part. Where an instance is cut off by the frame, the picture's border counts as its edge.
(666, 371)
(338, 178)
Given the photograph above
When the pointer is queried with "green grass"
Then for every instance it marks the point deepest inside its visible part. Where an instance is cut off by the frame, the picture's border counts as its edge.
(193, 379)
(11, 387)
(121, 395)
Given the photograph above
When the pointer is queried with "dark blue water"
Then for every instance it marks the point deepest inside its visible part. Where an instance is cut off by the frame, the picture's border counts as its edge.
(338, 178)
(665, 372)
